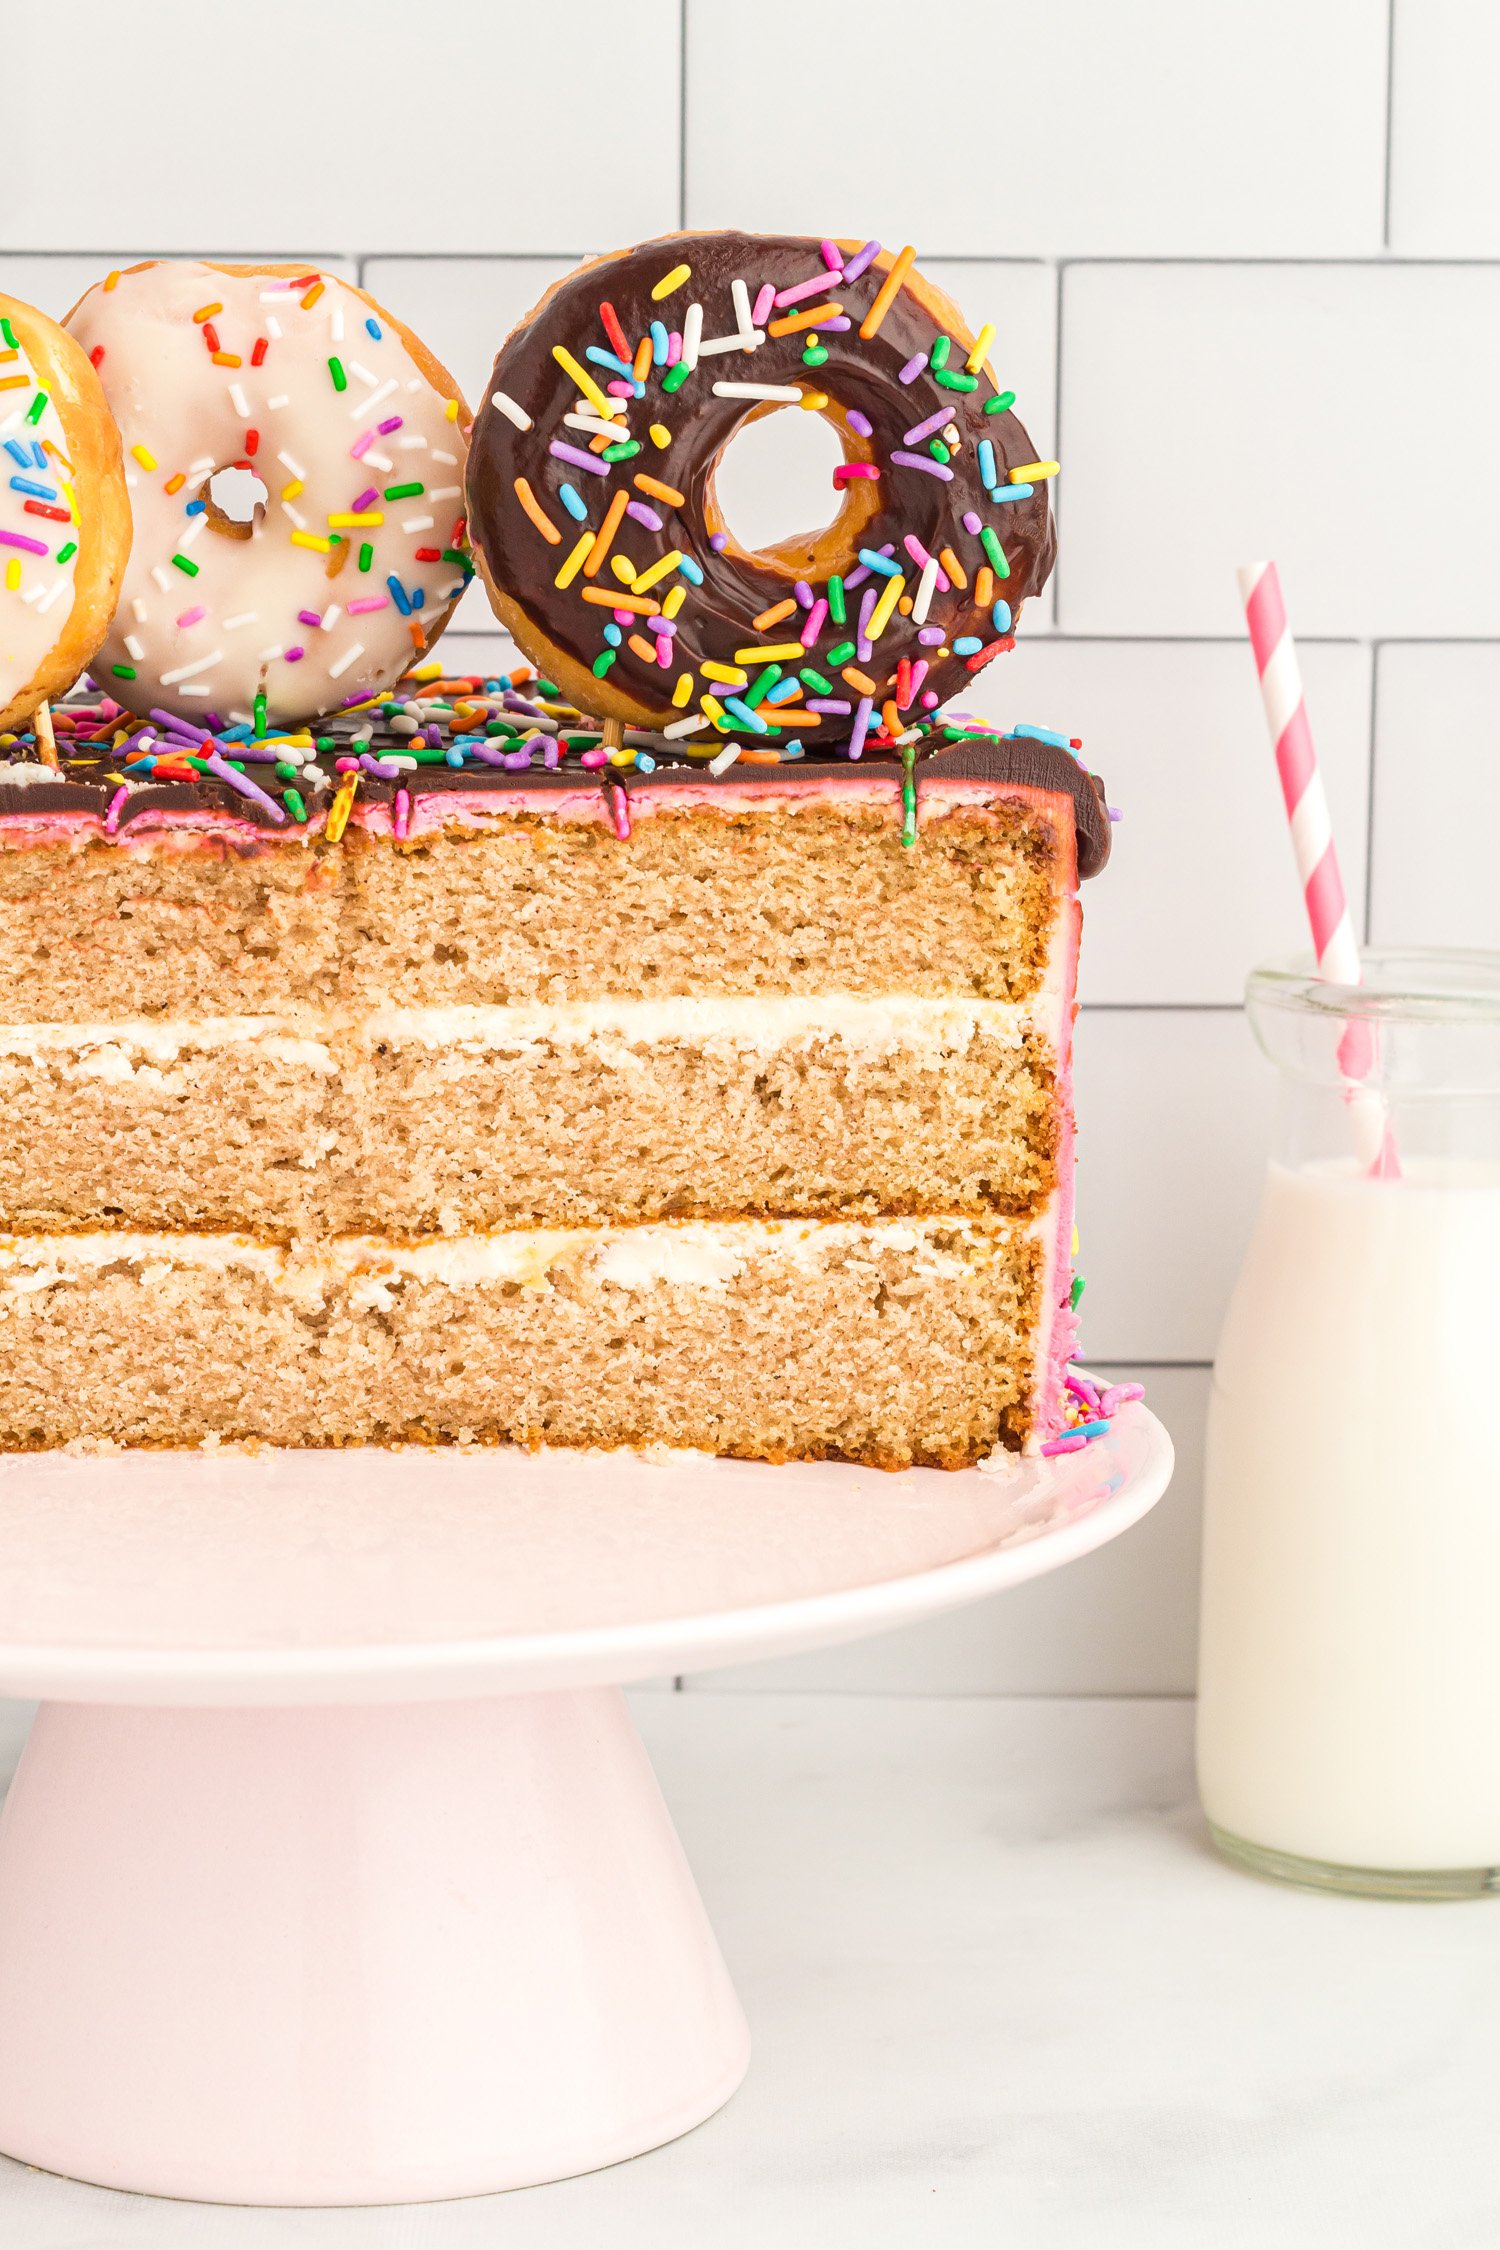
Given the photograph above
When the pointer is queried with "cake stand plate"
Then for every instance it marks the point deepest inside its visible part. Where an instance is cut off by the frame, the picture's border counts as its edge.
(334, 1871)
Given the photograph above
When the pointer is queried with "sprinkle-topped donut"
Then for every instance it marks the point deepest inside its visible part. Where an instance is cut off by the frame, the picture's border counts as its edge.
(64, 515)
(295, 459)
(598, 532)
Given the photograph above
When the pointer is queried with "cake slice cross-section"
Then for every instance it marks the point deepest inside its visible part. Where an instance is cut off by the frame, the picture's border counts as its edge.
(725, 1110)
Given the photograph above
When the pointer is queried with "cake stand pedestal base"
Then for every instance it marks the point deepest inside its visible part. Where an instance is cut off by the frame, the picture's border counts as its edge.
(351, 1954)
(334, 1871)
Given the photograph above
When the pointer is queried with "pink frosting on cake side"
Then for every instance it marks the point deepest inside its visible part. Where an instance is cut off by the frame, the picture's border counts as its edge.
(432, 810)
(172, 831)
(591, 802)
(1062, 1331)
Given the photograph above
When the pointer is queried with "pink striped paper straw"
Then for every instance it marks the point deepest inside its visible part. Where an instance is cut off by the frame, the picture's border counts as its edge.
(1334, 941)
(1327, 903)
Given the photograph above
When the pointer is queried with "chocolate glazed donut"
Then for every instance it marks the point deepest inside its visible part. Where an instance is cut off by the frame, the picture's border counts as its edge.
(594, 519)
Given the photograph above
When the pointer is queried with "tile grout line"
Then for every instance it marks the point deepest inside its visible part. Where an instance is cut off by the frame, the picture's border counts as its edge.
(1059, 275)
(682, 112)
(300, 258)
(1373, 261)
(1154, 1366)
(1353, 261)
(1371, 770)
(1390, 113)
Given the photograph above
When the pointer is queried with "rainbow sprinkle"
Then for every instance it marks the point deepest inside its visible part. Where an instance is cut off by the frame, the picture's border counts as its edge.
(438, 730)
(1088, 1411)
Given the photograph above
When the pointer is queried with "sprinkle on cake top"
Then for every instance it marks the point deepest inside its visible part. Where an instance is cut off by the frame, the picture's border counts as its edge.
(439, 732)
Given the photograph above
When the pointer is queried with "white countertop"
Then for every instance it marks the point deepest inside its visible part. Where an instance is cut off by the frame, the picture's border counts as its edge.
(1002, 1993)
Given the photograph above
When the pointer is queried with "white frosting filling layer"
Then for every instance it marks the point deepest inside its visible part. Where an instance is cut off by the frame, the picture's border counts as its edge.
(867, 1025)
(682, 1254)
(874, 1024)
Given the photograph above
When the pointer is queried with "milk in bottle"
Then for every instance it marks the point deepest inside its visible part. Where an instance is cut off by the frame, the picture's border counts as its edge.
(1349, 1713)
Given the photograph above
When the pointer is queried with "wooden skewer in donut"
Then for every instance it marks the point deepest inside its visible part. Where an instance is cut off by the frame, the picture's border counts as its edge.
(46, 740)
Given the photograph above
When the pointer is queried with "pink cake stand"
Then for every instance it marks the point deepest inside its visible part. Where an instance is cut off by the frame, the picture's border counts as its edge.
(334, 1870)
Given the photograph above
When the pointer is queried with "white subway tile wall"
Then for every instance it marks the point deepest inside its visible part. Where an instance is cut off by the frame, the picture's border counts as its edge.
(1124, 128)
(1339, 417)
(1201, 881)
(1245, 265)
(345, 125)
(1445, 153)
(1437, 771)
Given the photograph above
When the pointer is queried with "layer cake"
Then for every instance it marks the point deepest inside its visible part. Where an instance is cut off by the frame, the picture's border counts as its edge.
(574, 1103)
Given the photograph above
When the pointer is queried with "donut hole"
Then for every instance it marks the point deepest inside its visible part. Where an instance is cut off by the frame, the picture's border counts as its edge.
(234, 500)
(773, 490)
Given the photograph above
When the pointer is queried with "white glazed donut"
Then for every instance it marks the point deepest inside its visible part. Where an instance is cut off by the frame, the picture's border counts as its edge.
(64, 515)
(295, 459)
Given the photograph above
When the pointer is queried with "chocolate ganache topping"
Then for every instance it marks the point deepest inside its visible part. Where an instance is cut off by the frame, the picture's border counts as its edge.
(593, 514)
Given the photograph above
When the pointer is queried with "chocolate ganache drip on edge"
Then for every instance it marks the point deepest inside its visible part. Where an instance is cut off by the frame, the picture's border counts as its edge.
(458, 737)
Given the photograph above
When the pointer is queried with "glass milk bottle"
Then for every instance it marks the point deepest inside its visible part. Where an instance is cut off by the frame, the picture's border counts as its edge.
(1349, 1687)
